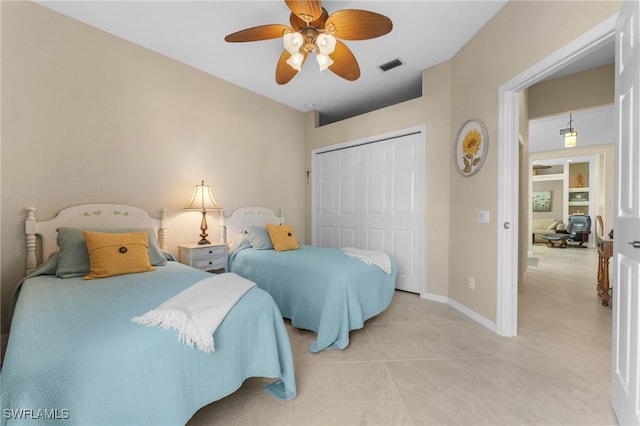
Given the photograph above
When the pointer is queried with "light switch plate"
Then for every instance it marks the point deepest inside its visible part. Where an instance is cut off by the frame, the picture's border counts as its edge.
(484, 216)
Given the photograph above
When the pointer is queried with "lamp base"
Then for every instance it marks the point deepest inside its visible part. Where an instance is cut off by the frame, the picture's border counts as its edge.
(203, 228)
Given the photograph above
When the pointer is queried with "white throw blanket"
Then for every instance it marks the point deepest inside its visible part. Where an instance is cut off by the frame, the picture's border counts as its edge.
(378, 258)
(197, 311)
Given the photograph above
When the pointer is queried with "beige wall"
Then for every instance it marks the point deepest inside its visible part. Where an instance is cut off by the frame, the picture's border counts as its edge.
(88, 117)
(557, 199)
(504, 48)
(587, 89)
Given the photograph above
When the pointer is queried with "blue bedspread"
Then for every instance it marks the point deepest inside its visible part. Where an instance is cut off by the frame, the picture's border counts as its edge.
(74, 355)
(319, 289)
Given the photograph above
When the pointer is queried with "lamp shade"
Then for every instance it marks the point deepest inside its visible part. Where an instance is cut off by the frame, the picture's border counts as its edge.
(324, 61)
(570, 139)
(570, 134)
(202, 199)
(292, 42)
(326, 43)
(296, 60)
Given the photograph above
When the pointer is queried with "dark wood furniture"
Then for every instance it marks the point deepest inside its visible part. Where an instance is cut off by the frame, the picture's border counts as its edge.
(605, 251)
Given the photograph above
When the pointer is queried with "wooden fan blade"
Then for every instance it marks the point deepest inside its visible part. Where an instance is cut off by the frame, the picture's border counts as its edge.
(299, 24)
(344, 63)
(284, 72)
(262, 32)
(307, 10)
(353, 24)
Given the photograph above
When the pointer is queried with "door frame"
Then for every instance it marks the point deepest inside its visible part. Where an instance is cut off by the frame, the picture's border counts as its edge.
(508, 165)
(364, 141)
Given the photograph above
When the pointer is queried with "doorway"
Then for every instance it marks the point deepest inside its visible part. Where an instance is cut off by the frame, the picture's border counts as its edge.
(508, 170)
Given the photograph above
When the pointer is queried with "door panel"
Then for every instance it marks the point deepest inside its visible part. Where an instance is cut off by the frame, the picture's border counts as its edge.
(347, 237)
(403, 247)
(404, 192)
(625, 383)
(327, 200)
(406, 216)
(327, 236)
(347, 189)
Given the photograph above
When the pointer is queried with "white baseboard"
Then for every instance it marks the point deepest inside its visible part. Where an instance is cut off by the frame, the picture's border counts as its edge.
(435, 297)
(461, 308)
(474, 315)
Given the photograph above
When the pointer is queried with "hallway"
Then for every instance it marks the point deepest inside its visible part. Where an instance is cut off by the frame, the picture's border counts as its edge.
(560, 313)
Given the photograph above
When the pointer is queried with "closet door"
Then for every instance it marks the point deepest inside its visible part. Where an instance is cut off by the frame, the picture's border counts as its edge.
(337, 200)
(406, 194)
(374, 221)
(370, 196)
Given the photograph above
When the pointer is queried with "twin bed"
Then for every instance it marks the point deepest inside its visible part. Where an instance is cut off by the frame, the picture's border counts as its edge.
(319, 289)
(75, 353)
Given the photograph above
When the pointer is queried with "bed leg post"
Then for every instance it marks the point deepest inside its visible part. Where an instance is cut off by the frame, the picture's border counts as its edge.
(163, 230)
(222, 227)
(30, 228)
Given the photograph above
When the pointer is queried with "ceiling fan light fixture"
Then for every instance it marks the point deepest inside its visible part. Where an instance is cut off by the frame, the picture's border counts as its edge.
(314, 30)
(324, 61)
(326, 43)
(296, 60)
(292, 42)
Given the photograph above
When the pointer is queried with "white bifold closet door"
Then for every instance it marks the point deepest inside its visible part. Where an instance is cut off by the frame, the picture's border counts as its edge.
(371, 196)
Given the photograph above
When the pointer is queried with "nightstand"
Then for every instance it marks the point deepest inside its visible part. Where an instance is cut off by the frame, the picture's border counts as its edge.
(208, 257)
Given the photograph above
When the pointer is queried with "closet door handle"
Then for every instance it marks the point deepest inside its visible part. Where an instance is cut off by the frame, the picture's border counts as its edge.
(635, 244)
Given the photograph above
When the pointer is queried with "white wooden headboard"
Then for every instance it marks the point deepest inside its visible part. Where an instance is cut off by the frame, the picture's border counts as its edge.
(250, 216)
(87, 216)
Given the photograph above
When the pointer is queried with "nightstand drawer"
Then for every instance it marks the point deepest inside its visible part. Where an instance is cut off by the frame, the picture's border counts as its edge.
(209, 253)
(210, 264)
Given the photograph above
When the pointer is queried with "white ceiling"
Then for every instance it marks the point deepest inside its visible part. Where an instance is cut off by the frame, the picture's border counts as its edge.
(425, 33)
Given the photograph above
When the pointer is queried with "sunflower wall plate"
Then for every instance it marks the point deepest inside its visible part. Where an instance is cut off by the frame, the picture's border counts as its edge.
(471, 147)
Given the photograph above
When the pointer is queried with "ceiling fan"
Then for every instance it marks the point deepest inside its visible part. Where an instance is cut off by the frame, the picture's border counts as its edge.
(314, 30)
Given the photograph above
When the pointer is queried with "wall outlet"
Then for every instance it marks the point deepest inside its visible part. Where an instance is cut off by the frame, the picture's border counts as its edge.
(472, 283)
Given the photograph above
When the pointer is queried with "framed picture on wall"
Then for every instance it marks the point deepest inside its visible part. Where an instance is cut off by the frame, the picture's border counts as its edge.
(471, 147)
(541, 201)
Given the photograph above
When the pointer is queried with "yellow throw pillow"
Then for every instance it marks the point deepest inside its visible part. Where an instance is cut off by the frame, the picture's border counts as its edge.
(282, 237)
(117, 254)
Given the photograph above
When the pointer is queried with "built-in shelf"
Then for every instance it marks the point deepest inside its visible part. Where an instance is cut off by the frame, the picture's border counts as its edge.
(550, 176)
(578, 196)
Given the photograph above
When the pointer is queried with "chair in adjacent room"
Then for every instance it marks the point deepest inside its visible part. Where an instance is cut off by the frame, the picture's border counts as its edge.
(576, 234)
(579, 228)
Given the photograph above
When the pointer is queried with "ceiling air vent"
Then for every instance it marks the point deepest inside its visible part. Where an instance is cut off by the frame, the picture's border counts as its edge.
(390, 65)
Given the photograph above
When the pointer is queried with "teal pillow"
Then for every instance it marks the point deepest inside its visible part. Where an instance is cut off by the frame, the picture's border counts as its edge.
(73, 260)
(258, 237)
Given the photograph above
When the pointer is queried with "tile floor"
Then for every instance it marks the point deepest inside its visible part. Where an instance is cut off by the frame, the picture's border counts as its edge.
(424, 363)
